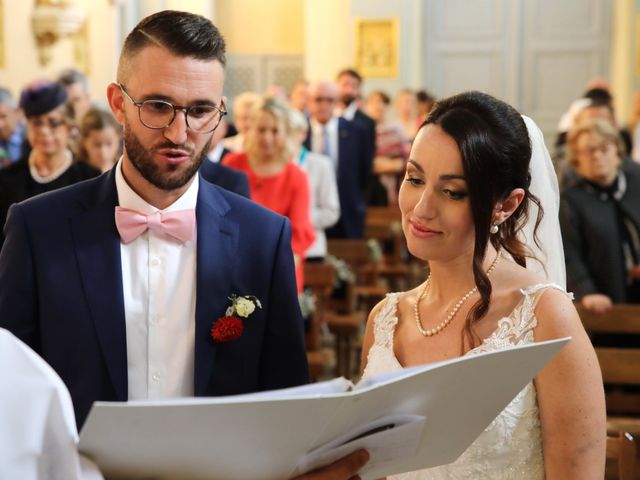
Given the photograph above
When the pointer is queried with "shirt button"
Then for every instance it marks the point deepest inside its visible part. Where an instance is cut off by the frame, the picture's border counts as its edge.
(155, 377)
(155, 319)
(155, 261)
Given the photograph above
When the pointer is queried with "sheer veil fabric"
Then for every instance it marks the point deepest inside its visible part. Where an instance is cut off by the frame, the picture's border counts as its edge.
(544, 185)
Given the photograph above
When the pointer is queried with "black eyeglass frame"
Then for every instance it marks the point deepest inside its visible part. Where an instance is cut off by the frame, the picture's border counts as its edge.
(185, 109)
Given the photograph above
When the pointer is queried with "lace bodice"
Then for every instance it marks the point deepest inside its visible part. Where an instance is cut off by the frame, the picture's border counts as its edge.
(511, 446)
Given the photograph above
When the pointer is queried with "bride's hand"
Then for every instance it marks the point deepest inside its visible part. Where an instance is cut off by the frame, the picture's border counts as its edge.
(344, 469)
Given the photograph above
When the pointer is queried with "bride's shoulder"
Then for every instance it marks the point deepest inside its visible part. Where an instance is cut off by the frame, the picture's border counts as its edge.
(516, 278)
(395, 302)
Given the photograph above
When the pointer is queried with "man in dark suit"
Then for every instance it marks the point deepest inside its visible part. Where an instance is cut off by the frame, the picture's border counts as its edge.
(343, 142)
(117, 281)
(349, 85)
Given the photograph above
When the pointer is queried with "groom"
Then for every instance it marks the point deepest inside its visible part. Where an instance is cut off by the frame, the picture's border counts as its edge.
(117, 282)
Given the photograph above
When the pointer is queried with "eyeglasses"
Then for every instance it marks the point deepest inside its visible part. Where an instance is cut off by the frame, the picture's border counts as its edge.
(324, 99)
(51, 123)
(159, 114)
(591, 151)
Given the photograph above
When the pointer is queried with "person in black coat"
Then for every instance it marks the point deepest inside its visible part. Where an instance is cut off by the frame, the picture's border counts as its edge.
(50, 164)
(600, 219)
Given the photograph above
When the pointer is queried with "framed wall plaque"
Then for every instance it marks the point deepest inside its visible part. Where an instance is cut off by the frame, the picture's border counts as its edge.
(377, 47)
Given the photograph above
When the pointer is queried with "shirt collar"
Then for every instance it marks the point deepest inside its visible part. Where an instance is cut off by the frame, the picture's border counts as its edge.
(128, 198)
(317, 127)
(350, 112)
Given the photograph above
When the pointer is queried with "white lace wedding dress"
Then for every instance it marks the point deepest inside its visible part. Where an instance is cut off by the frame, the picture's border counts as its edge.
(510, 447)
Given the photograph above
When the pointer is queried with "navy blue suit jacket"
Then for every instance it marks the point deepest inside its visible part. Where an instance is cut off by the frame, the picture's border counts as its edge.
(225, 177)
(354, 169)
(61, 292)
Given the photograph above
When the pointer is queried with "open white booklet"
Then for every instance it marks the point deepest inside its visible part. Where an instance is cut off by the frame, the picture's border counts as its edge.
(414, 418)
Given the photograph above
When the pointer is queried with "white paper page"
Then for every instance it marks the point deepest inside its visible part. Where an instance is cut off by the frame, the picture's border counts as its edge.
(265, 438)
(387, 439)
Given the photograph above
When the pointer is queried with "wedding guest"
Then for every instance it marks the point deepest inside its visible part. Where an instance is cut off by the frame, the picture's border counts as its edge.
(275, 181)
(464, 200)
(425, 104)
(77, 88)
(406, 104)
(13, 139)
(349, 90)
(392, 145)
(50, 164)
(344, 142)
(243, 107)
(600, 218)
(325, 203)
(122, 283)
(100, 140)
(299, 96)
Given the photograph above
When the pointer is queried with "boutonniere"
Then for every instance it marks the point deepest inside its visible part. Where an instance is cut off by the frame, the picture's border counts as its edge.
(230, 326)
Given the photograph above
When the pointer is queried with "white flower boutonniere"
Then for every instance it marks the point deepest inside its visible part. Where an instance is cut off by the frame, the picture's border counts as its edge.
(230, 326)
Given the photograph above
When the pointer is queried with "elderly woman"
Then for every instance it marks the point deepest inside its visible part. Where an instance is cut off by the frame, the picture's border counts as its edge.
(275, 181)
(600, 219)
(50, 165)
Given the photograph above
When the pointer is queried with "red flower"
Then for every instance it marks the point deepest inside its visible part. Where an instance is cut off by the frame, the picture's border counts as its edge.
(227, 329)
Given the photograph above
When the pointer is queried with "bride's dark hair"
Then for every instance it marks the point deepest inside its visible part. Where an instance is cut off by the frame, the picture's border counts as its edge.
(494, 144)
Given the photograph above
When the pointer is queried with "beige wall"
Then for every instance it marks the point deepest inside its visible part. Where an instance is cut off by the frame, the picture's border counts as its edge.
(328, 38)
(623, 57)
(259, 27)
(22, 57)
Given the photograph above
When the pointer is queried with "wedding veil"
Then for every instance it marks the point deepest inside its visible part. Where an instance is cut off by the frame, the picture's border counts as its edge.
(549, 257)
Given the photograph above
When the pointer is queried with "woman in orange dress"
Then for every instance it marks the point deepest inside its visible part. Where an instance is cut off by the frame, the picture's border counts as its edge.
(276, 182)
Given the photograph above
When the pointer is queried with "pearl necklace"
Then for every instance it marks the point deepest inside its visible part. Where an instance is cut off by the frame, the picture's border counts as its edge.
(438, 328)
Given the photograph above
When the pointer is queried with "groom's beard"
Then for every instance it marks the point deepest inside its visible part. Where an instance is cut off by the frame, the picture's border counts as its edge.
(142, 159)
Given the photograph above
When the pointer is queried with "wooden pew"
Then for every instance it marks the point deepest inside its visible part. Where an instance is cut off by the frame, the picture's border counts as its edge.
(319, 278)
(620, 366)
(622, 449)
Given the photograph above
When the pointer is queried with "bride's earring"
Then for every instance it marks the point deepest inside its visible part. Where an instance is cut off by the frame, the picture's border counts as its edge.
(494, 228)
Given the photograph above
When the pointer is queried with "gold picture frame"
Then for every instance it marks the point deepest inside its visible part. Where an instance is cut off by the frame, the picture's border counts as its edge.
(377, 47)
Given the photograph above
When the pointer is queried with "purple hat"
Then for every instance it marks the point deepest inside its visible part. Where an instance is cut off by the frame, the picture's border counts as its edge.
(41, 97)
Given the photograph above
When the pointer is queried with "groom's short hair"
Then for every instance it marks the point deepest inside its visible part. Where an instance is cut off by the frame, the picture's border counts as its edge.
(181, 33)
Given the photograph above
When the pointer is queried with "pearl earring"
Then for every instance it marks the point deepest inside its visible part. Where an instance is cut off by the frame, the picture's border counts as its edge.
(494, 228)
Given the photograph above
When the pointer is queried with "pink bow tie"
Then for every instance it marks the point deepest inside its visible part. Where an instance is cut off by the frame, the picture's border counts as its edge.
(179, 224)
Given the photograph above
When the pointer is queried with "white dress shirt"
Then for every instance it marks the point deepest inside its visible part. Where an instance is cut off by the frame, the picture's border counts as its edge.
(215, 153)
(349, 113)
(317, 139)
(159, 290)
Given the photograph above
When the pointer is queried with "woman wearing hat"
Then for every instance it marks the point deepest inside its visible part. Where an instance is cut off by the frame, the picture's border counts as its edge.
(50, 164)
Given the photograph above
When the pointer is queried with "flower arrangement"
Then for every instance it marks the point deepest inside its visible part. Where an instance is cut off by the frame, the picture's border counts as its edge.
(230, 326)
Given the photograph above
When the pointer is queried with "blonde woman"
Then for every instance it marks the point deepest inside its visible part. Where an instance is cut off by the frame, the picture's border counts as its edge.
(275, 181)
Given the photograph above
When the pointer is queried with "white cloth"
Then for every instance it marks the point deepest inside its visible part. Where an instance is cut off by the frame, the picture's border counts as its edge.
(159, 290)
(325, 203)
(38, 435)
(544, 185)
(215, 153)
(510, 448)
(318, 138)
(348, 113)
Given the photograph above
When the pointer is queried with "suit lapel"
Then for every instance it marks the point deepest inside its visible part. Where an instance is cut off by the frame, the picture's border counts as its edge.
(217, 240)
(97, 247)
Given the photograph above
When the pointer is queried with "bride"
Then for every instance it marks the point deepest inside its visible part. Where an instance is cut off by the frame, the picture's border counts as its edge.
(464, 202)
